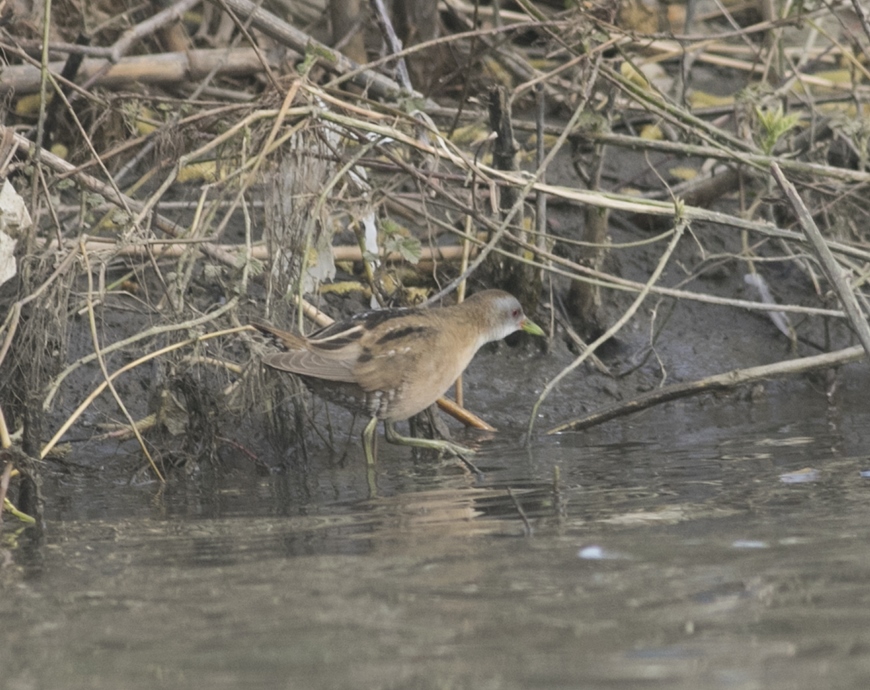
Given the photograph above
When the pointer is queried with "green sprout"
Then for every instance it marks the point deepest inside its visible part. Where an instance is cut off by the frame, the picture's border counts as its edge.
(774, 123)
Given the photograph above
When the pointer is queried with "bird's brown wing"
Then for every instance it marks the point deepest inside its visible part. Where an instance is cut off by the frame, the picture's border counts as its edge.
(305, 357)
(379, 350)
(390, 354)
(314, 364)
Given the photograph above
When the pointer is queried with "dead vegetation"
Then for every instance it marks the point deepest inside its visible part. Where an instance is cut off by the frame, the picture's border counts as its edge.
(187, 168)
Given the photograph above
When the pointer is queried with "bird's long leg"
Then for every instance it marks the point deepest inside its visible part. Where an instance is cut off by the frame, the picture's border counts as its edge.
(368, 438)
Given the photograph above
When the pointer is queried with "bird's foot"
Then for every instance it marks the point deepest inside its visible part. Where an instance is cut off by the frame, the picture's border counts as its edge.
(443, 447)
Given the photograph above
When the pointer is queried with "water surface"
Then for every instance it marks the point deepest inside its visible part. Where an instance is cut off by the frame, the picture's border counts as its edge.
(725, 548)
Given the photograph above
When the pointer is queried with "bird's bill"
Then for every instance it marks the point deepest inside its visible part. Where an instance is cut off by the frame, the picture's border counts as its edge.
(530, 326)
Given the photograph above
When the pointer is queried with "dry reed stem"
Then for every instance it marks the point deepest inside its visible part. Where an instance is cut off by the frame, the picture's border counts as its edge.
(4, 487)
(174, 248)
(163, 68)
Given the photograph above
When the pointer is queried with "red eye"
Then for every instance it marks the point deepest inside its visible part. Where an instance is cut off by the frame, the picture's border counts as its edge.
(516, 313)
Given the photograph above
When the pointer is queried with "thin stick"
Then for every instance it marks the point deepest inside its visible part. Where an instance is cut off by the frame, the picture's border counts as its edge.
(156, 330)
(174, 248)
(304, 44)
(729, 379)
(460, 297)
(127, 367)
(832, 269)
(92, 321)
(171, 14)
(540, 197)
(527, 526)
(394, 44)
(617, 283)
(679, 227)
(168, 68)
(14, 315)
(862, 16)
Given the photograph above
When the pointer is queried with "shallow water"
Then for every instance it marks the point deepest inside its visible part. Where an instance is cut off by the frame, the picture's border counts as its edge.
(720, 547)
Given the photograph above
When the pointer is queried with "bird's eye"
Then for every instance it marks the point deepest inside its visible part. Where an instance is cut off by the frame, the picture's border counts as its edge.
(516, 313)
